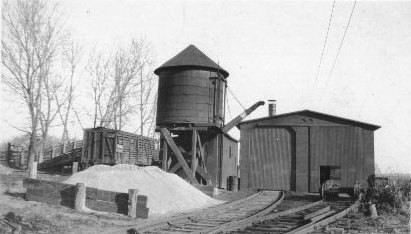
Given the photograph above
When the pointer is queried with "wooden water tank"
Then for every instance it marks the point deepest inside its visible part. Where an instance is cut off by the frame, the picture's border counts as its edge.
(191, 90)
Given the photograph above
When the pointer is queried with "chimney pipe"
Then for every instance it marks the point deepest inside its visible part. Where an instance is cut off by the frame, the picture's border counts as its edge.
(271, 107)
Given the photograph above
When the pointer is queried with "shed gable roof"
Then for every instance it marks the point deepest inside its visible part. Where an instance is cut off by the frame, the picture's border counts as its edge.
(191, 57)
(318, 115)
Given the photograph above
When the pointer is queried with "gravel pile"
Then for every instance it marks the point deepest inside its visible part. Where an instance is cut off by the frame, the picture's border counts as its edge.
(167, 193)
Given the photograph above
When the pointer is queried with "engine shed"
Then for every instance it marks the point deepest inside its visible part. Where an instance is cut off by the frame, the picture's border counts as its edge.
(298, 151)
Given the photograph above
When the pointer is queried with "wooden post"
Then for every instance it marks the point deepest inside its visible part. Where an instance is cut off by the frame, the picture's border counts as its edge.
(74, 168)
(178, 155)
(64, 147)
(53, 151)
(22, 155)
(9, 153)
(33, 171)
(165, 149)
(194, 153)
(132, 202)
(80, 200)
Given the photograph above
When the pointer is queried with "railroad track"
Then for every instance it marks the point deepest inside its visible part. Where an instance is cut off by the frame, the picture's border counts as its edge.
(218, 218)
(296, 215)
(263, 212)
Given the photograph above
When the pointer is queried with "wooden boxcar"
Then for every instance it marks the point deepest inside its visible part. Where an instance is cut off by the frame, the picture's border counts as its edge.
(298, 151)
(108, 146)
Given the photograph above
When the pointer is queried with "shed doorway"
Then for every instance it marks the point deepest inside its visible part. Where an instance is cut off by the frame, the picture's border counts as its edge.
(324, 174)
(329, 173)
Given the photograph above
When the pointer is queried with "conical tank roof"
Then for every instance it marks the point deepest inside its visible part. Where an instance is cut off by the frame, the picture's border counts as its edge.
(191, 57)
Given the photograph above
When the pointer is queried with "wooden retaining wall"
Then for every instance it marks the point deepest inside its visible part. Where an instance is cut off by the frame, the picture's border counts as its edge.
(100, 200)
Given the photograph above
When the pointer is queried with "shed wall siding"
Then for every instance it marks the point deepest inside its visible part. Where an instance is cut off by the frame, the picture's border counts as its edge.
(368, 145)
(309, 145)
(210, 150)
(302, 157)
(336, 146)
(229, 163)
(244, 158)
(270, 158)
(228, 167)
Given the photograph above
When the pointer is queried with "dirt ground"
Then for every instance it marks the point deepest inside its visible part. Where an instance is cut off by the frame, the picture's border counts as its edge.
(33, 217)
(358, 222)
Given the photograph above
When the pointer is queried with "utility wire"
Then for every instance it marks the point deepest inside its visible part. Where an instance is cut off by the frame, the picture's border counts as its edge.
(229, 110)
(342, 41)
(238, 101)
(325, 41)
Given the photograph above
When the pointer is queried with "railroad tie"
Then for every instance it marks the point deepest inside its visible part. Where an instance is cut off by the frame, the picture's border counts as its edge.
(319, 217)
(316, 213)
(204, 224)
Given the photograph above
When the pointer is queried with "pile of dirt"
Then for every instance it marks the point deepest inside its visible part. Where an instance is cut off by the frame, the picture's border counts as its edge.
(167, 193)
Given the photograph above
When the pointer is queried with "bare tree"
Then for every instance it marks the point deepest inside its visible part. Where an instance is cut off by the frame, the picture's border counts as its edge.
(147, 106)
(117, 83)
(72, 56)
(48, 109)
(32, 34)
(99, 73)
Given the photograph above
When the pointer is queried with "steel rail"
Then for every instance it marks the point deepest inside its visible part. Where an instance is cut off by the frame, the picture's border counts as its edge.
(315, 225)
(164, 221)
(246, 221)
(222, 217)
(301, 219)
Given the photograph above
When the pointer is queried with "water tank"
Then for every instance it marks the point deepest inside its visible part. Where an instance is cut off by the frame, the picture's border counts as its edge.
(191, 90)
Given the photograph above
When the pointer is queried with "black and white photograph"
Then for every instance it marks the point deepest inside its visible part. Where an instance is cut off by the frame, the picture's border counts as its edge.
(183, 116)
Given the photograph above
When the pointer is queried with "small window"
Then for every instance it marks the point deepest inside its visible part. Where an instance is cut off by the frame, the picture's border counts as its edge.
(229, 155)
(335, 173)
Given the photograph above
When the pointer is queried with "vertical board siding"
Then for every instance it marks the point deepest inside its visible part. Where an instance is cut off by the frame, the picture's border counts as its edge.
(368, 148)
(336, 146)
(312, 142)
(244, 154)
(301, 158)
(269, 158)
(229, 164)
(187, 95)
(102, 145)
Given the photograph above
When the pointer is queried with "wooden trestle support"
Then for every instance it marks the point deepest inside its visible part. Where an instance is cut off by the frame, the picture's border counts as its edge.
(197, 157)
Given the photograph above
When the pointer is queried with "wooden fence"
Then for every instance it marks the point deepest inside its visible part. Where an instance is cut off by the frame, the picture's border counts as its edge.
(16, 156)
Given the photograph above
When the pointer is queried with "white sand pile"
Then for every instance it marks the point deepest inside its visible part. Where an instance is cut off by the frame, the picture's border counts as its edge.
(167, 193)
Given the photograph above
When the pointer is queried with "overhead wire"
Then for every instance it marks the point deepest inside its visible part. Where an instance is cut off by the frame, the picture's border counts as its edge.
(325, 41)
(342, 41)
(235, 97)
(229, 110)
(229, 90)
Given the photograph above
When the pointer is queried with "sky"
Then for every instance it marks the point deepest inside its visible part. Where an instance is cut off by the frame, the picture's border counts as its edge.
(272, 50)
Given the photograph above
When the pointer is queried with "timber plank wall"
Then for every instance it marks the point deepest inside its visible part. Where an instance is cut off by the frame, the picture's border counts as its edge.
(96, 199)
(286, 152)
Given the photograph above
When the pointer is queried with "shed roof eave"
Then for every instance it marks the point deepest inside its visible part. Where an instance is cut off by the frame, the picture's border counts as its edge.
(348, 121)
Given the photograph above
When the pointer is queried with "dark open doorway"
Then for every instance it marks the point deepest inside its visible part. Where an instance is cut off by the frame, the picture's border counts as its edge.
(324, 173)
(330, 173)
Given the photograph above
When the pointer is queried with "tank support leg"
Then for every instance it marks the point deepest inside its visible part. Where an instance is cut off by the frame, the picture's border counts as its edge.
(165, 149)
(179, 156)
(194, 153)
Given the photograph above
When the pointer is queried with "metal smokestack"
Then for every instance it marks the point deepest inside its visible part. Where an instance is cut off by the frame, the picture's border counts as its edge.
(271, 107)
